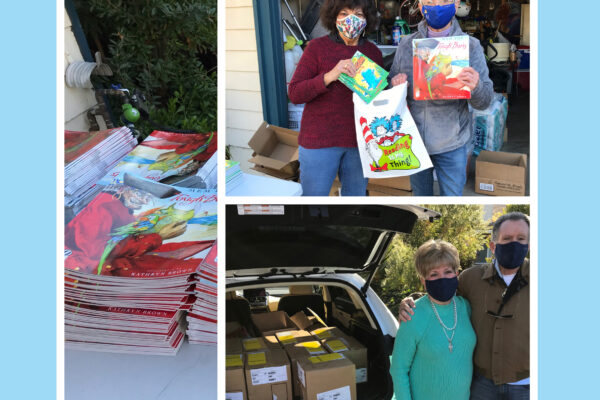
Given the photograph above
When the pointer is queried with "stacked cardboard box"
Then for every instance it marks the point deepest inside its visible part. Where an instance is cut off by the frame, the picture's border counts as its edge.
(235, 380)
(302, 350)
(327, 376)
(353, 350)
(268, 375)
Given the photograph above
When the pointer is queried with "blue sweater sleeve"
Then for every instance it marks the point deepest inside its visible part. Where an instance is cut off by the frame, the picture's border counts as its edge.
(405, 347)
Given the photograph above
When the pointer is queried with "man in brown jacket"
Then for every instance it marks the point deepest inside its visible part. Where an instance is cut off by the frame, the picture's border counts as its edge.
(499, 297)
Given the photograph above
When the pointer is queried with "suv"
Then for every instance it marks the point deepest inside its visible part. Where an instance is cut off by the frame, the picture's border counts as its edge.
(307, 258)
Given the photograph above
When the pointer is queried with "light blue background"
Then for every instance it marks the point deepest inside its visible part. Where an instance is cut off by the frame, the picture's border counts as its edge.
(569, 148)
(569, 152)
(27, 200)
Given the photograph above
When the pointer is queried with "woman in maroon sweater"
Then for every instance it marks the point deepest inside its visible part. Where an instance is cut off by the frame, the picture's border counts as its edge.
(327, 138)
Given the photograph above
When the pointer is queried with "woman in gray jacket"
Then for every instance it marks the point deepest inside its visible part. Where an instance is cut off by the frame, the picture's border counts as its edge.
(445, 125)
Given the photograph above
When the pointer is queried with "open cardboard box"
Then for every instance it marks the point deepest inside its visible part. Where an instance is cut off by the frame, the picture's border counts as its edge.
(500, 174)
(272, 322)
(275, 149)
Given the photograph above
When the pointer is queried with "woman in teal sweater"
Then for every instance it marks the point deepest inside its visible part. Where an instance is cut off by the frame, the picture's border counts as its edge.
(433, 352)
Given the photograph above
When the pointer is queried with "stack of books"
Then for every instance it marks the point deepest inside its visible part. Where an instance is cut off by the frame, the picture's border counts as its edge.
(88, 157)
(202, 316)
(131, 262)
(166, 157)
(233, 175)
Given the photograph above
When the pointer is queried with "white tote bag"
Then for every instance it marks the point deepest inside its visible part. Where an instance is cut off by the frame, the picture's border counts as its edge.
(388, 140)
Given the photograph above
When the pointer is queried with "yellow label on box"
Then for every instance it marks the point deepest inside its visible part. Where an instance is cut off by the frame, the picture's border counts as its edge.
(252, 344)
(312, 347)
(322, 333)
(287, 339)
(233, 360)
(336, 345)
(325, 358)
(257, 358)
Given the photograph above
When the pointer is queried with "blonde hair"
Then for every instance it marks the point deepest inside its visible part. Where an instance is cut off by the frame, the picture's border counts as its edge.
(435, 253)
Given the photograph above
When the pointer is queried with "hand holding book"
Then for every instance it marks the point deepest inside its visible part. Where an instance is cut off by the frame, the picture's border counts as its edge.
(399, 79)
(468, 77)
(343, 66)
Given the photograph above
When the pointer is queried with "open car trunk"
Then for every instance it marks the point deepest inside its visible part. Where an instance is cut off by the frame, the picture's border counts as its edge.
(341, 306)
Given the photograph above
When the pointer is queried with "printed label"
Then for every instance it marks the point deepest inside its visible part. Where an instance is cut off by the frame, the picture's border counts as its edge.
(301, 374)
(486, 186)
(342, 393)
(313, 347)
(257, 358)
(233, 360)
(336, 345)
(325, 358)
(322, 333)
(251, 344)
(234, 396)
(286, 337)
(262, 376)
(361, 375)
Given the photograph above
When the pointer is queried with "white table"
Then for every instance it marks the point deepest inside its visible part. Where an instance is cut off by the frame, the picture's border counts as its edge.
(262, 185)
(191, 374)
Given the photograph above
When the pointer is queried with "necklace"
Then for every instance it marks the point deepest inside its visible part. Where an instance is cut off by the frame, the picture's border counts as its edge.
(444, 327)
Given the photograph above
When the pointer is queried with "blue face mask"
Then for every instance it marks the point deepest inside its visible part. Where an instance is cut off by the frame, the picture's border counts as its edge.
(511, 255)
(438, 17)
(442, 289)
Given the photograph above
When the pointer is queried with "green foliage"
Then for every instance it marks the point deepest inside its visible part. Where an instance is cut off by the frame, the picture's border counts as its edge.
(524, 208)
(166, 48)
(461, 225)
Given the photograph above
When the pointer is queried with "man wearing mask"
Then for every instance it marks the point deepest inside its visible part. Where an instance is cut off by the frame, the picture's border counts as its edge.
(445, 125)
(499, 298)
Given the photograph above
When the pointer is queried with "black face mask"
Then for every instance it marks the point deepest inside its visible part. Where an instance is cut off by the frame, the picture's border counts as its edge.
(511, 255)
(442, 289)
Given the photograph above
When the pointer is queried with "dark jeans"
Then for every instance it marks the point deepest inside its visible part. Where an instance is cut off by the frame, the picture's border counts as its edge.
(484, 389)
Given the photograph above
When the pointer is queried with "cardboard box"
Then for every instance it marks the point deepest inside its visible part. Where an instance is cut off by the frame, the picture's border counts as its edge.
(376, 190)
(328, 376)
(235, 380)
(271, 322)
(302, 350)
(500, 174)
(302, 321)
(292, 337)
(326, 333)
(268, 375)
(233, 329)
(233, 346)
(353, 350)
(275, 173)
(275, 148)
(254, 344)
(272, 342)
(402, 182)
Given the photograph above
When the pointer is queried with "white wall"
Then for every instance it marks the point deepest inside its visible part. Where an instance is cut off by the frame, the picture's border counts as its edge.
(243, 102)
(77, 101)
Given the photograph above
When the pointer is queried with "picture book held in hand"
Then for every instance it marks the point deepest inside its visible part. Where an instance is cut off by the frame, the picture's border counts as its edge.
(436, 65)
(370, 78)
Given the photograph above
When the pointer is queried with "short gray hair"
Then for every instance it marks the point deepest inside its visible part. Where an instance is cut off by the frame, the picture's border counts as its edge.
(511, 216)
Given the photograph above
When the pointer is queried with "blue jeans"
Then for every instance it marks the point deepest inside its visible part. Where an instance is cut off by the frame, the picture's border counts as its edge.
(483, 388)
(318, 168)
(451, 171)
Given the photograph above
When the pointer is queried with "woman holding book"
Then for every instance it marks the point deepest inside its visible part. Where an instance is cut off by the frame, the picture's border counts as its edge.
(433, 352)
(444, 125)
(327, 138)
